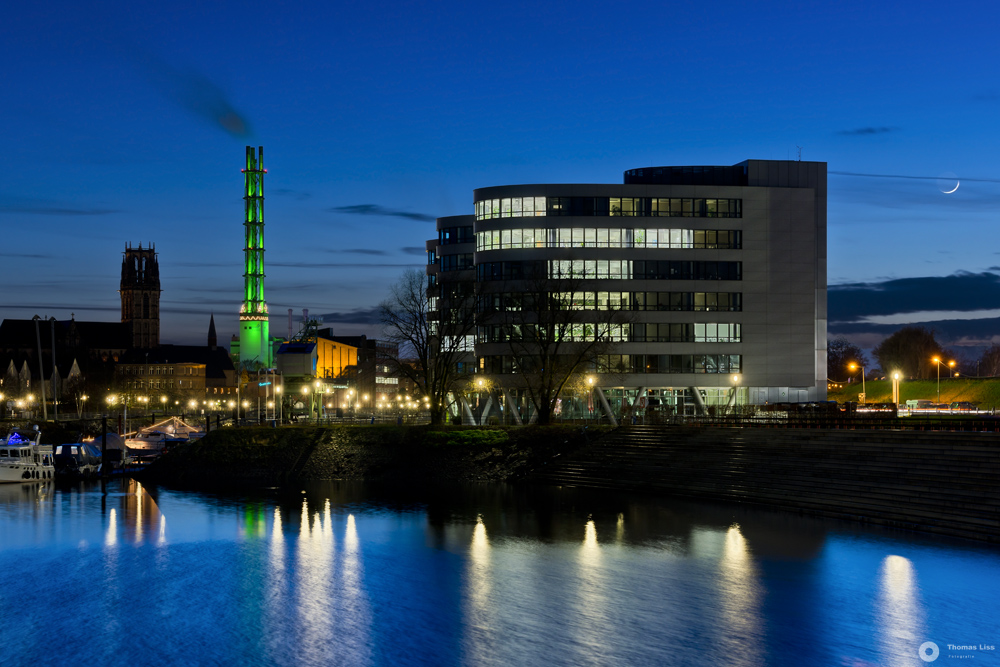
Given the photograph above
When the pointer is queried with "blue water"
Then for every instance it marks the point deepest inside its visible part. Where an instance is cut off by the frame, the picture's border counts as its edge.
(355, 574)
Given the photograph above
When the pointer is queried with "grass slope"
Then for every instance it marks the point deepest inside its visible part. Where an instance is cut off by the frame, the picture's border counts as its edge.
(984, 392)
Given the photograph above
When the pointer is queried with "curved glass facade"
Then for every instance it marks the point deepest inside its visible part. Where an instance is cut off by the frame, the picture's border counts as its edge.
(664, 207)
(609, 237)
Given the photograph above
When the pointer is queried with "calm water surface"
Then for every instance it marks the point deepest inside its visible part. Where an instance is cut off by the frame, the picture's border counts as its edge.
(355, 574)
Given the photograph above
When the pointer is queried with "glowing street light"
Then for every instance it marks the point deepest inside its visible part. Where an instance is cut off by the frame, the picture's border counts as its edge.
(937, 360)
(853, 366)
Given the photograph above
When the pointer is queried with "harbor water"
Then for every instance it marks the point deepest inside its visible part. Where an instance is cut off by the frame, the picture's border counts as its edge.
(345, 573)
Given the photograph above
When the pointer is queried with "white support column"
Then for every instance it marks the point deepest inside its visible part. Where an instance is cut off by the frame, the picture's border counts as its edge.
(486, 411)
(642, 391)
(512, 408)
(700, 404)
(606, 406)
(467, 417)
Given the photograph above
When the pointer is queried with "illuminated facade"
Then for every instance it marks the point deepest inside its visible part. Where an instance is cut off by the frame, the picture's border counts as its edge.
(254, 343)
(717, 276)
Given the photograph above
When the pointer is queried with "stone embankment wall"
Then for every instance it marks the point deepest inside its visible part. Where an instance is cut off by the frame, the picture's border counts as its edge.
(939, 482)
(268, 457)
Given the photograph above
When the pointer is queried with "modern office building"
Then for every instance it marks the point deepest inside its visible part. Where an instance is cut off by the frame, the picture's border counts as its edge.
(699, 286)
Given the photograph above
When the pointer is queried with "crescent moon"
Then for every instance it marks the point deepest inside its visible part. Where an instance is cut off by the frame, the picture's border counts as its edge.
(948, 192)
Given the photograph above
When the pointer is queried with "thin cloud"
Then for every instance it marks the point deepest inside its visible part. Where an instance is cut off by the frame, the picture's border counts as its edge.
(337, 265)
(21, 255)
(867, 131)
(360, 251)
(299, 195)
(68, 307)
(375, 209)
(359, 316)
(413, 250)
(57, 210)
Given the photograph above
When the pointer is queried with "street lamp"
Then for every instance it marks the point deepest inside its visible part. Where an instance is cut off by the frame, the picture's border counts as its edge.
(736, 391)
(895, 388)
(937, 360)
(281, 403)
(853, 366)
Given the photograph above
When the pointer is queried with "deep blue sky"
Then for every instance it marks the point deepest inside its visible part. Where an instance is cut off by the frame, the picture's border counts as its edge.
(112, 133)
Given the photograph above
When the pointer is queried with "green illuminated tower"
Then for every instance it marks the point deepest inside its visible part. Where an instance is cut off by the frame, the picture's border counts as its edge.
(255, 348)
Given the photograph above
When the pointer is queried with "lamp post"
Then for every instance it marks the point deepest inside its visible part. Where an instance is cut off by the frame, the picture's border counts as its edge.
(590, 396)
(736, 391)
(277, 393)
(939, 363)
(895, 388)
(853, 366)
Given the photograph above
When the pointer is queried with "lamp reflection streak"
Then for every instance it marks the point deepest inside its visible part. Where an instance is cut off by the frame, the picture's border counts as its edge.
(899, 614)
(480, 644)
(275, 615)
(355, 609)
(591, 610)
(741, 598)
(314, 588)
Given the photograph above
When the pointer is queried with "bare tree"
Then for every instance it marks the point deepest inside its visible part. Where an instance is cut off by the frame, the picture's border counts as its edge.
(989, 363)
(431, 344)
(840, 353)
(554, 331)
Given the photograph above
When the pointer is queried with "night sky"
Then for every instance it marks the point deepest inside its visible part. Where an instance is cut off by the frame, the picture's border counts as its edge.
(128, 122)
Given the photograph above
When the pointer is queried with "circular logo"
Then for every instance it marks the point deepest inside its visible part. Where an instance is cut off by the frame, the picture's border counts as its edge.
(929, 651)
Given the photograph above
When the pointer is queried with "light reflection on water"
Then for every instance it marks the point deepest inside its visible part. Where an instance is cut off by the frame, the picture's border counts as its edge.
(357, 575)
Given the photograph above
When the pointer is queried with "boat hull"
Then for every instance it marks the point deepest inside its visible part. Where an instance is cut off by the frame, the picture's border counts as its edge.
(16, 474)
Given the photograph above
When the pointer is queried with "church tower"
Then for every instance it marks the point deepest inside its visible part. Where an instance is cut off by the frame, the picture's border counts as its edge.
(255, 344)
(140, 293)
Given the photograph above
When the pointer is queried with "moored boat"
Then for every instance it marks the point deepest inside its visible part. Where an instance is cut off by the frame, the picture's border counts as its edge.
(23, 458)
(77, 460)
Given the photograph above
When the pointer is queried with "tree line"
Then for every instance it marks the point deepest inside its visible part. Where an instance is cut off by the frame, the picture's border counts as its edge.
(911, 351)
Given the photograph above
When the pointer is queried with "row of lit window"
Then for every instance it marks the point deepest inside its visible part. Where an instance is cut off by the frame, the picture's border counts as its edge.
(672, 207)
(665, 301)
(628, 363)
(580, 237)
(600, 269)
(564, 332)
(153, 384)
(709, 332)
(669, 363)
(644, 270)
(143, 369)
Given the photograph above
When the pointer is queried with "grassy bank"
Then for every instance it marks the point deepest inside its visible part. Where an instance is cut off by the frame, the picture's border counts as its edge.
(262, 456)
(984, 392)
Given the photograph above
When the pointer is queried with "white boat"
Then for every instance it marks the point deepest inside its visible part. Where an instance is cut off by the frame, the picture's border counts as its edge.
(156, 438)
(23, 458)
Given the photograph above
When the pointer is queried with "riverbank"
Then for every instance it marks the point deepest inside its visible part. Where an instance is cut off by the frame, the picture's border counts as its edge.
(269, 457)
(938, 482)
